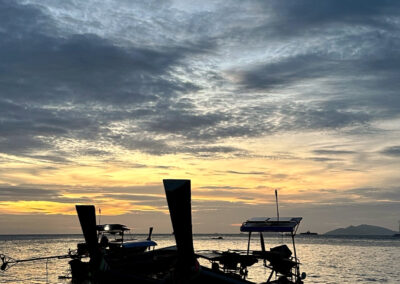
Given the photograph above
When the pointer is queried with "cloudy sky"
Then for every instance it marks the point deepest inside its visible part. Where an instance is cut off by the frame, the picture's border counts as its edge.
(101, 100)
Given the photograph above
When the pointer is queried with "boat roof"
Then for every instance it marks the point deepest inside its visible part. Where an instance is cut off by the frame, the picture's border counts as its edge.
(112, 228)
(139, 243)
(271, 224)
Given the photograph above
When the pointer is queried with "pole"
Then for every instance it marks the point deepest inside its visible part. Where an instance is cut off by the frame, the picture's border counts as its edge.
(277, 207)
(262, 242)
(43, 258)
(248, 244)
(295, 258)
(7, 261)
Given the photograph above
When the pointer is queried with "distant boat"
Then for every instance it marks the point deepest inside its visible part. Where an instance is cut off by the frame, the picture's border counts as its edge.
(397, 235)
(217, 238)
(308, 233)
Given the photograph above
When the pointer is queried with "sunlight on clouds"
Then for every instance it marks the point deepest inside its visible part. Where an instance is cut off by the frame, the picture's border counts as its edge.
(231, 199)
(36, 207)
(280, 162)
(109, 207)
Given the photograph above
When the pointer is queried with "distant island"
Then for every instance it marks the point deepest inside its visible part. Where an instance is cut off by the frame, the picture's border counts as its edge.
(362, 230)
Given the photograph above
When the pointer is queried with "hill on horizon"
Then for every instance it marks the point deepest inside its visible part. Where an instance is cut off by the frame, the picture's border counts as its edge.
(362, 230)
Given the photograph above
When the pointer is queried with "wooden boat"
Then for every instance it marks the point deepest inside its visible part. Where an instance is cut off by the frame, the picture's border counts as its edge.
(116, 260)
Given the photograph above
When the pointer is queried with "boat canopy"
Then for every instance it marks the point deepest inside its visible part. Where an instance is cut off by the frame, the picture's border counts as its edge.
(112, 228)
(136, 243)
(274, 224)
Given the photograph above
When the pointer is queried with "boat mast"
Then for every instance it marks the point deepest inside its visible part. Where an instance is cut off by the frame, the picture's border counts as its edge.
(276, 199)
(99, 216)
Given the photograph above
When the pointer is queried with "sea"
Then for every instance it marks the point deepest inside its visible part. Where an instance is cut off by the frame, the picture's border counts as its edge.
(325, 259)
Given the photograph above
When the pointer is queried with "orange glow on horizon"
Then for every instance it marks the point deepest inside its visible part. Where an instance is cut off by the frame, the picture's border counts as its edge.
(246, 180)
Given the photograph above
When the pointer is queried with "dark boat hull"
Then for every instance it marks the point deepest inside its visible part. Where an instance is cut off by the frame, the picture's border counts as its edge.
(148, 267)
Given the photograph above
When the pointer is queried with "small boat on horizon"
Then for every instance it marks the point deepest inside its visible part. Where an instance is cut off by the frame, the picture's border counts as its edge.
(217, 238)
(308, 233)
(397, 235)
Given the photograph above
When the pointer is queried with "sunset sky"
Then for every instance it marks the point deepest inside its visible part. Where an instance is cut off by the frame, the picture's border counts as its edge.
(101, 100)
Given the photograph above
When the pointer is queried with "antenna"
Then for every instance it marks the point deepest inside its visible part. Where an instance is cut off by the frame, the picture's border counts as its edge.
(277, 207)
(99, 216)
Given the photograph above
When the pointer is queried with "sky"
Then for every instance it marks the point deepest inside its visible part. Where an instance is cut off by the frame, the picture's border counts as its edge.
(102, 100)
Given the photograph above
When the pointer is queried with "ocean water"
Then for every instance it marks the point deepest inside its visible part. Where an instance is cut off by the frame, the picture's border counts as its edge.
(324, 259)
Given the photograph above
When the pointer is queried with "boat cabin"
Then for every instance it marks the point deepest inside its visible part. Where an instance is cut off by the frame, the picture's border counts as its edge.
(113, 236)
(115, 230)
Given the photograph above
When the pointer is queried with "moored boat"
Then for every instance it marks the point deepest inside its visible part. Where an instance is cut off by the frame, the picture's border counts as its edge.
(308, 233)
(113, 237)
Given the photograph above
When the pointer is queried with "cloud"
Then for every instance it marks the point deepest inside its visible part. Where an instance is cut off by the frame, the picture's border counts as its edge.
(324, 159)
(246, 173)
(327, 65)
(305, 16)
(155, 86)
(391, 193)
(214, 187)
(333, 152)
(393, 151)
(287, 71)
(75, 86)
(136, 198)
(19, 193)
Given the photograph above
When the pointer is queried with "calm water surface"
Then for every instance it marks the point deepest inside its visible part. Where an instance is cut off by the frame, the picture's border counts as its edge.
(324, 259)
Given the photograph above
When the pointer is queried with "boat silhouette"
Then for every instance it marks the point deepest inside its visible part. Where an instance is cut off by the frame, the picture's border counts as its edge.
(308, 233)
